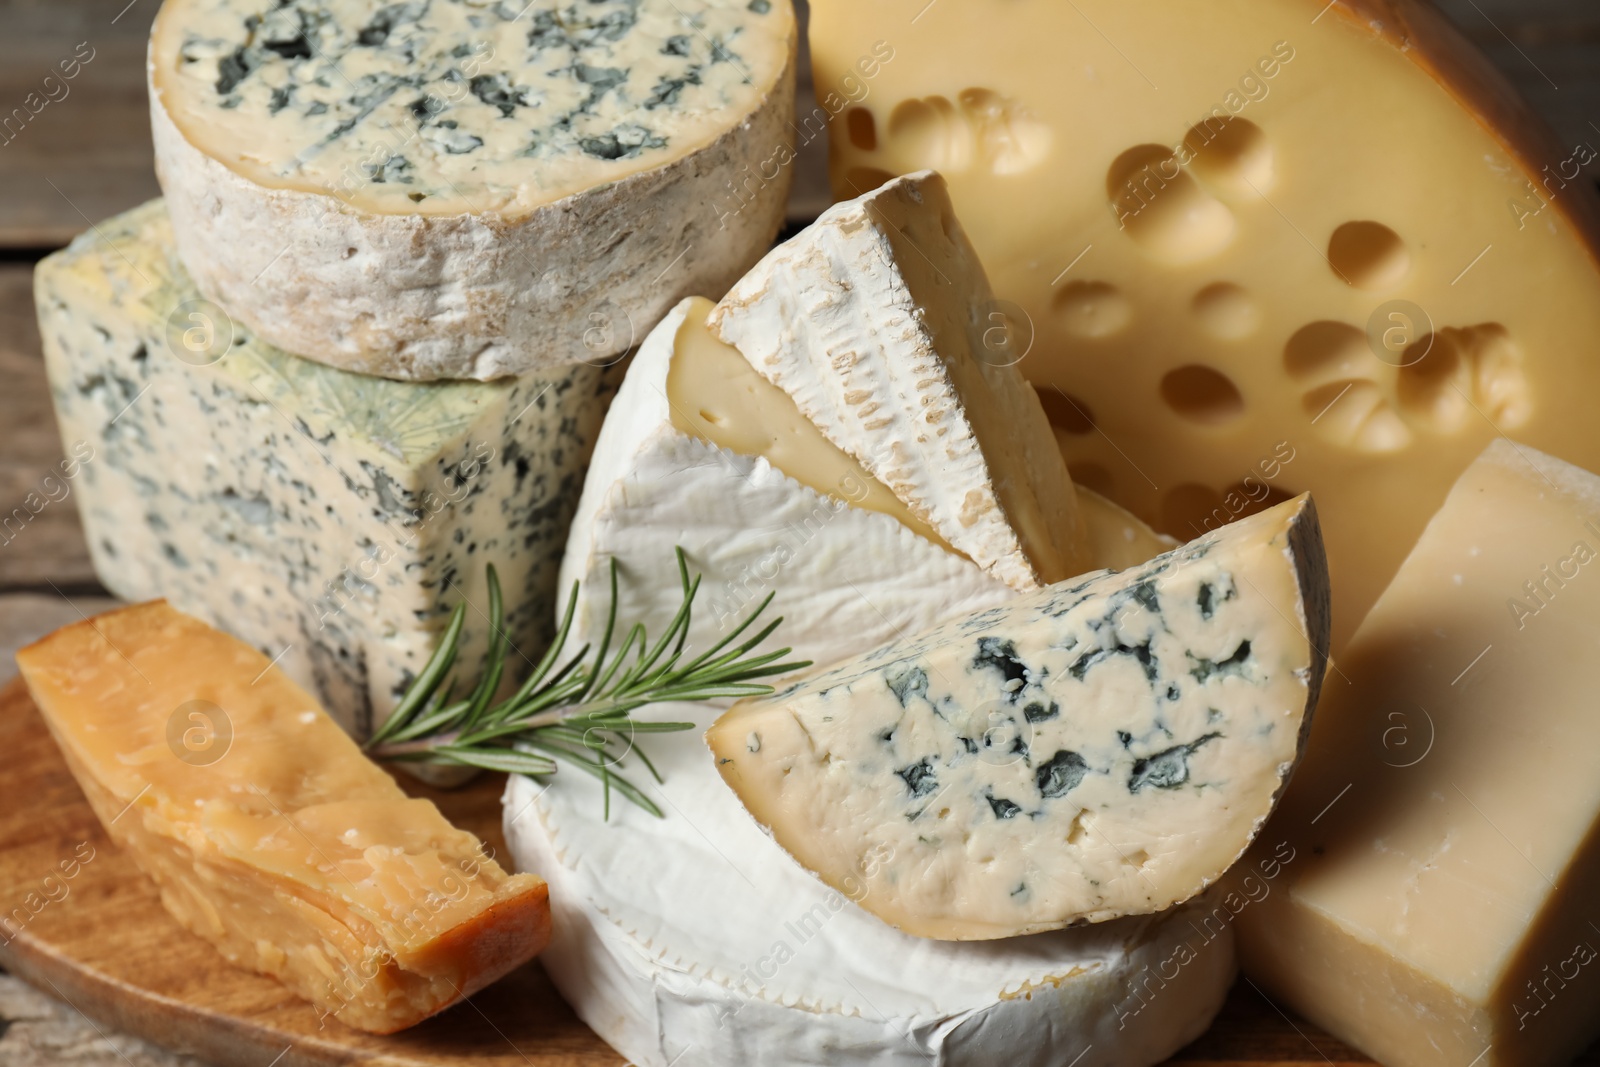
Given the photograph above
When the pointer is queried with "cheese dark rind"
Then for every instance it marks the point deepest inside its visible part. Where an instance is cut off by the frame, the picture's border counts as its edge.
(332, 520)
(1107, 746)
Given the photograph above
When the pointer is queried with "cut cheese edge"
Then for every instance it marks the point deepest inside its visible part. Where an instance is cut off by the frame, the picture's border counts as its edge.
(822, 534)
(267, 830)
(1194, 213)
(1104, 747)
(450, 190)
(876, 320)
(1439, 905)
(703, 453)
(332, 520)
(694, 938)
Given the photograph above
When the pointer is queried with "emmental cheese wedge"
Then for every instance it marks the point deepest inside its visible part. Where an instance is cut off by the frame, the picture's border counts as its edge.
(1196, 213)
(1105, 747)
(267, 830)
(469, 190)
(876, 320)
(1442, 903)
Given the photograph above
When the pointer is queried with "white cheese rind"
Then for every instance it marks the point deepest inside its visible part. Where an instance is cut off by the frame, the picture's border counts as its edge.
(694, 939)
(879, 322)
(492, 281)
(330, 519)
(1105, 747)
(843, 575)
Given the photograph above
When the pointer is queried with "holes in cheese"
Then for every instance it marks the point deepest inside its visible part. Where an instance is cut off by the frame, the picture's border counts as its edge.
(1092, 309)
(1164, 209)
(1222, 102)
(1226, 311)
(1231, 155)
(1066, 413)
(946, 779)
(715, 395)
(285, 847)
(980, 129)
(1368, 255)
(1202, 394)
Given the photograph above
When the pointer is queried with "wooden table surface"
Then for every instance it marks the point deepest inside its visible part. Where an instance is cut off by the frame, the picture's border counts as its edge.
(87, 156)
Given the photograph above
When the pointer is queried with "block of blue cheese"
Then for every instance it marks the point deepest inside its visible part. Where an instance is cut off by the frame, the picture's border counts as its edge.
(331, 519)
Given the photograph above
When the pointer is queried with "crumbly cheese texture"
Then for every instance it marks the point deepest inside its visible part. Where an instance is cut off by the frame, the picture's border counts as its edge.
(1104, 747)
(1440, 905)
(876, 319)
(267, 830)
(332, 520)
(693, 938)
(449, 106)
(1195, 213)
(451, 189)
(690, 457)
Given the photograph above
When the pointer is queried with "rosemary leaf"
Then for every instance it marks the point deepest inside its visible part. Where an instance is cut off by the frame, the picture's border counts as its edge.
(581, 712)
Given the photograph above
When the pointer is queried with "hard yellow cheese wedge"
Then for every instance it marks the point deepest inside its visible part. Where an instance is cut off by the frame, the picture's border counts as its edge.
(1439, 893)
(268, 831)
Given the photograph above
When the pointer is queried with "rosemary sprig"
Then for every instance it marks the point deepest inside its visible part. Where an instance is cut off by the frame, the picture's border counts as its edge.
(580, 712)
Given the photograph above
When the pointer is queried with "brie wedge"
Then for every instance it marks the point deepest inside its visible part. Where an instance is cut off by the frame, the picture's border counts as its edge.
(878, 321)
(688, 458)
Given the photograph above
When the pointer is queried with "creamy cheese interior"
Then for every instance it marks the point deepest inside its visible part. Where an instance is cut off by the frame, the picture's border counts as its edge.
(444, 107)
(718, 397)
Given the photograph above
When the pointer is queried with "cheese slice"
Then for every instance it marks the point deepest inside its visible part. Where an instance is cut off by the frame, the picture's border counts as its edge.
(469, 190)
(1213, 258)
(1442, 838)
(332, 520)
(688, 458)
(694, 939)
(874, 320)
(1104, 747)
(268, 832)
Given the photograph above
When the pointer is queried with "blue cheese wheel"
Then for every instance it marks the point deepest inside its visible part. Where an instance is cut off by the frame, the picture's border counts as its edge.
(461, 189)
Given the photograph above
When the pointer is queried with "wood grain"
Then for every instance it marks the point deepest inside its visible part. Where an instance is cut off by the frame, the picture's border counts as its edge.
(76, 149)
(41, 540)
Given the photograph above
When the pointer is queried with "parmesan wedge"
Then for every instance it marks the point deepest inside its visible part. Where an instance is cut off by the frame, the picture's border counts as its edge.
(267, 830)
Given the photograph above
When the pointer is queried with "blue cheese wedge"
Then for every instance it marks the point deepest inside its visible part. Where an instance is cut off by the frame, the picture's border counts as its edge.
(330, 519)
(1105, 747)
(468, 189)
